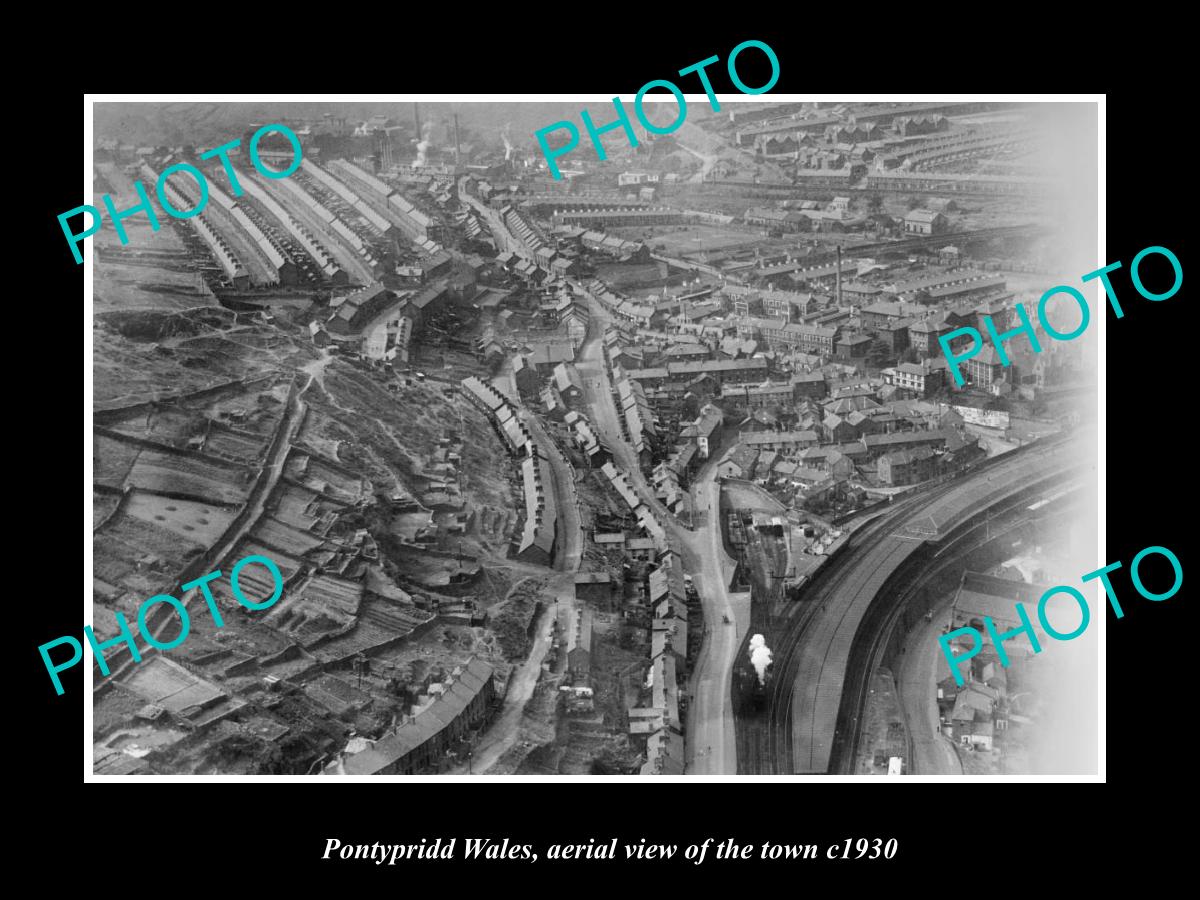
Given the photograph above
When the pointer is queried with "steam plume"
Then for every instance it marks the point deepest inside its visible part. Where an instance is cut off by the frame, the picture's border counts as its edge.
(422, 145)
(760, 657)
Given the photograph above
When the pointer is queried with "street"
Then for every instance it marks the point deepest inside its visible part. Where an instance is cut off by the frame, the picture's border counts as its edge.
(710, 716)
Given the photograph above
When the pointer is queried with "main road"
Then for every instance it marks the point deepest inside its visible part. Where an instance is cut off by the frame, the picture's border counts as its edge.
(711, 741)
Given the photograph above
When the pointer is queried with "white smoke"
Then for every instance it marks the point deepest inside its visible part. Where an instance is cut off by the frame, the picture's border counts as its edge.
(422, 145)
(760, 657)
(508, 147)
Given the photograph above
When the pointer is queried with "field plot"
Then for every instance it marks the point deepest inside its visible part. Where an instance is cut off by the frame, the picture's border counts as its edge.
(194, 522)
(169, 685)
(321, 606)
(234, 444)
(391, 437)
(290, 540)
(425, 569)
(112, 460)
(255, 412)
(125, 371)
(324, 478)
(167, 473)
(303, 508)
(166, 426)
(693, 239)
(323, 434)
(138, 280)
(148, 355)
(256, 574)
(103, 506)
(138, 559)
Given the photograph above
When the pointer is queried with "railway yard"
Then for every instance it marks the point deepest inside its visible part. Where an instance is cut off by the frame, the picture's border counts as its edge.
(653, 471)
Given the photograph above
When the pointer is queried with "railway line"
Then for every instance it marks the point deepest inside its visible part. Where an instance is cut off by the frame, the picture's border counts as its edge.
(813, 638)
(919, 570)
(938, 240)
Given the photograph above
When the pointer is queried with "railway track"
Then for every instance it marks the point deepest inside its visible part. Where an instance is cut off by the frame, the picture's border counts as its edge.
(812, 651)
(876, 635)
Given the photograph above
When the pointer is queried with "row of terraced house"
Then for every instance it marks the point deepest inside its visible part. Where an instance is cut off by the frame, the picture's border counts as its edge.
(536, 541)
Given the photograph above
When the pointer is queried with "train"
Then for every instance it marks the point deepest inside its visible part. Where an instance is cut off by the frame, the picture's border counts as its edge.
(750, 696)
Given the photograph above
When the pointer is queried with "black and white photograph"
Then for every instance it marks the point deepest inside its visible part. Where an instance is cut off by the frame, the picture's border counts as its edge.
(465, 438)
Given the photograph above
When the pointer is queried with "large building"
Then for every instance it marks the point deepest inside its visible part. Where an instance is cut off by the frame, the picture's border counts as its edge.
(922, 379)
(924, 221)
(373, 316)
(590, 218)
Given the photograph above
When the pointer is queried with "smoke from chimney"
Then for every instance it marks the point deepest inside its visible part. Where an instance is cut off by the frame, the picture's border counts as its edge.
(422, 145)
(760, 657)
(508, 147)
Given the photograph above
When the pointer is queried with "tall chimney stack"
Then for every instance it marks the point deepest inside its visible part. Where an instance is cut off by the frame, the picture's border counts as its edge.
(456, 142)
(417, 120)
(839, 275)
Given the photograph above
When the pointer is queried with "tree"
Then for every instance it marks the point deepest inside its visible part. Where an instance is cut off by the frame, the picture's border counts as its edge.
(910, 355)
(875, 203)
(878, 356)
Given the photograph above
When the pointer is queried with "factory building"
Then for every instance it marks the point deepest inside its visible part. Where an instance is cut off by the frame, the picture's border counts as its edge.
(375, 319)
(221, 251)
(588, 218)
(285, 269)
(312, 246)
(280, 262)
(381, 224)
(955, 183)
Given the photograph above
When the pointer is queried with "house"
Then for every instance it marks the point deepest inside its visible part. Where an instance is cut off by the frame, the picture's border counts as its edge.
(894, 335)
(665, 754)
(854, 347)
(739, 463)
(873, 446)
(611, 540)
(777, 219)
(669, 635)
(569, 384)
(985, 370)
(809, 384)
(546, 357)
(594, 587)
(906, 466)
(780, 440)
(760, 396)
(924, 221)
(641, 548)
(879, 316)
(575, 622)
(923, 336)
(529, 382)
(920, 378)
(838, 430)
(706, 430)
(419, 744)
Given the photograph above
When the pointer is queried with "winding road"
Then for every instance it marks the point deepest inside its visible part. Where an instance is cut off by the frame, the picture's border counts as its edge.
(711, 743)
